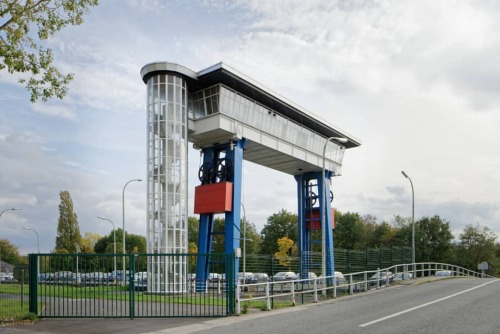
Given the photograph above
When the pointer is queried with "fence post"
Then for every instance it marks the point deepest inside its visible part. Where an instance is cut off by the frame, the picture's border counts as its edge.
(292, 287)
(131, 268)
(238, 302)
(315, 290)
(33, 283)
(268, 299)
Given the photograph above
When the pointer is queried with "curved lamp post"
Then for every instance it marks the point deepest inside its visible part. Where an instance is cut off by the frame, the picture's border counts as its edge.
(38, 248)
(123, 221)
(13, 209)
(37, 237)
(323, 205)
(114, 240)
(412, 221)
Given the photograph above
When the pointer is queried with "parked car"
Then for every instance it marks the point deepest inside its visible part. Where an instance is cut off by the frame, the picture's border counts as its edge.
(285, 276)
(382, 277)
(141, 281)
(257, 278)
(402, 276)
(444, 273)
(339, 278)
(242, 280)
(310, 275)
(214, 277)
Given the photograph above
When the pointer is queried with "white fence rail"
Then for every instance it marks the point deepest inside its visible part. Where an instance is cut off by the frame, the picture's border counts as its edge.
(348, 283)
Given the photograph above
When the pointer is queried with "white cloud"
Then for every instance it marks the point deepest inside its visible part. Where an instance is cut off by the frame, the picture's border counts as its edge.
(416, 82)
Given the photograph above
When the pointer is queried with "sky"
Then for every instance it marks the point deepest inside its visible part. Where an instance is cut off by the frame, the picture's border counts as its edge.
(415, 81)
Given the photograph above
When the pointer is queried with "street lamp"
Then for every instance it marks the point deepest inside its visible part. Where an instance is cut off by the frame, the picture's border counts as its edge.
(13, 209)
(114, 240)
(123, 221)
(38, 249)
(37, 237)
(323, 205)
(412, 221)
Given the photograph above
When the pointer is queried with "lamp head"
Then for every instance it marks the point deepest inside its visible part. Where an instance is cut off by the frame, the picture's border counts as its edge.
(404, 174)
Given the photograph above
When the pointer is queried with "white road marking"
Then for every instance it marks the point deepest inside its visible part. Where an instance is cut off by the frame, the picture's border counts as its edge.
(423, 305)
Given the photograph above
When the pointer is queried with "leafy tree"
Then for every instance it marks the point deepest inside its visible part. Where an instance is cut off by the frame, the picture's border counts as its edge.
(476, 244)
(279, 225)
(193, 229)
(403, 227)
(433, 240)
(253, 242)
(192, 249)
(383, 235)
(286, 249)
(133, 243)
(350, 231)
(68, 231)
(24, 25)
(10, 253)
(89, 240)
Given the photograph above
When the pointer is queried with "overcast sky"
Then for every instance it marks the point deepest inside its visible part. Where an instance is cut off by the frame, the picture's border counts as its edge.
(416, 81)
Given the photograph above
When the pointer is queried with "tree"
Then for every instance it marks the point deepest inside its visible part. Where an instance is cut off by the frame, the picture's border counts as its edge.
(476, 244)
(286, 248)
(88, 241)
(433, 240)
(193, 229)
(134, 243)
(350, 231)
(383, 235)
(253, 239)
(279, 225)
(24, 25)
(68, 232)
(9, 253)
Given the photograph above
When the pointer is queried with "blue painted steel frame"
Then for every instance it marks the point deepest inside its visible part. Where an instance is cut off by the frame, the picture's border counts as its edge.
(304, 200)
(234, 153)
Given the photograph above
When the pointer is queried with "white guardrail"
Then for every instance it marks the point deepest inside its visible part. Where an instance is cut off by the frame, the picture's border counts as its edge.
(347, 283)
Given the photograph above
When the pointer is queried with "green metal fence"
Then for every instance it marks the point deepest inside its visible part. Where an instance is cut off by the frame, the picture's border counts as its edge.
(89, 286)
(346, 261)
(93, 285)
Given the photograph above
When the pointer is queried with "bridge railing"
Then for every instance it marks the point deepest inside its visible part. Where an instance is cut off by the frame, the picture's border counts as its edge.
(276, 294)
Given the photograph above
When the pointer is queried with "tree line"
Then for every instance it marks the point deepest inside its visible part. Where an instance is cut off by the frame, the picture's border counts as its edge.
(434, 240)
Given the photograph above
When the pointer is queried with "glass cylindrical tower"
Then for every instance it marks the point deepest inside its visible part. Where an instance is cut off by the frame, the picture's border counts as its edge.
(167, 180)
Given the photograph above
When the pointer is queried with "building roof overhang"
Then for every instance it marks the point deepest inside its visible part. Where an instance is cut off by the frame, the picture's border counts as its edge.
(224, 74)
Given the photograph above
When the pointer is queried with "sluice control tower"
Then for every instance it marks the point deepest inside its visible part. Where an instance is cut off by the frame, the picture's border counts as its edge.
(230, 117)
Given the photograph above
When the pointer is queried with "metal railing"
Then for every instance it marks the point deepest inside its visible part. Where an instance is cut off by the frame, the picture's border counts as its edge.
(318, 288)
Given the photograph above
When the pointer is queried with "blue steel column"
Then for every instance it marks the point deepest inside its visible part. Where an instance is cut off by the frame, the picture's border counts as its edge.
(330, 265)
(305, 241)
(234, 152)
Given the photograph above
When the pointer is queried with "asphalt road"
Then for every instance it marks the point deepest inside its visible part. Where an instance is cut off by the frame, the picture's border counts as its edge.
(458, 305)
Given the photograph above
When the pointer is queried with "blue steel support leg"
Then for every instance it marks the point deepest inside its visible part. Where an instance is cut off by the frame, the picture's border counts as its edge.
(234, 152)
(329, 248)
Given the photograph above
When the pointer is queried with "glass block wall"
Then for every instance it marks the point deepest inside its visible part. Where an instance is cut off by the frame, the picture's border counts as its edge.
(167, 182)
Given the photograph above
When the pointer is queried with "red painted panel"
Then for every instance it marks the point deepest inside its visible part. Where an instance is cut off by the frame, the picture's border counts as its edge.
(313, 219)
(213, 198)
